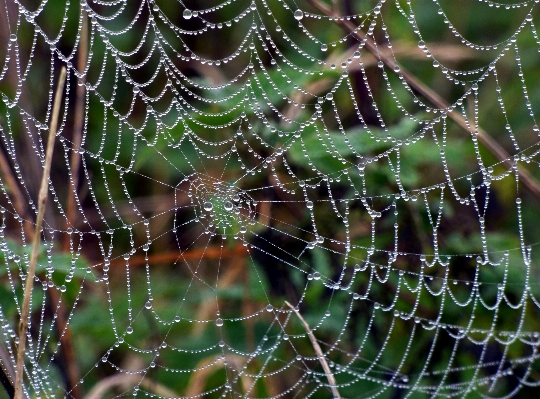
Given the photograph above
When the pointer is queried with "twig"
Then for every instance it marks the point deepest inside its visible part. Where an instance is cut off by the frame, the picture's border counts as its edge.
(6, 371)
(42, 202)
(99, 390)
(436, 100)
(318, 351)
(190, 254)
(72, 371)
(77, 129)
(18, 198)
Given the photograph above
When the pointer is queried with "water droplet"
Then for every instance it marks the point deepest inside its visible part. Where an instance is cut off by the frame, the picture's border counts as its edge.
(129, 330)
(269, 308)
(219, 322)
(148, 305)
(236, 197)
(187, 14)
(309, 205)
(317, 276)
(228, 206)
(324, 47)
(396, 69)
(298, 15)
(13, 37)
(208, 206)
(243, 229)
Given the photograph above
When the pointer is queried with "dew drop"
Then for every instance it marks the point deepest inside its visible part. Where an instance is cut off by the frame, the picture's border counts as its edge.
(219, 322)
(298, 15)
(309, 205)
(324, 47)
(228, 206)
(187, 14)
(129, 330)
(208, 206)
(148, 305)
(269, 308)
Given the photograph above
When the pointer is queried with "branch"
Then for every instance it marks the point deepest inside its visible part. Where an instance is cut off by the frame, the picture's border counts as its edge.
(318, 351)
(105, 384)
(42, 202)
(18, 198)
(72, 371)
(77, 129)
(190, 254)
(436, 100)
(6, 371)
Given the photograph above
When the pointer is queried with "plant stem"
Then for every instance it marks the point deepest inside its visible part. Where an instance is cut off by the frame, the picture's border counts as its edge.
(319, 353)
(495, 148)
(42, 202)
(77, 129)
(6, 371)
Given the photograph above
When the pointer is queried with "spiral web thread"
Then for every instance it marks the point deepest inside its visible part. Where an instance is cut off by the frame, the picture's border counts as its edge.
(283, 173)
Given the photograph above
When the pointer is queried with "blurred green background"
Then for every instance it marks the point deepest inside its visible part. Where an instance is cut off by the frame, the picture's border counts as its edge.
(133, 184)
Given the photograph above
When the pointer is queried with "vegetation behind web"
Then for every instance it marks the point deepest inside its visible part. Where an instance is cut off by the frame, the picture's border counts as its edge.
(153, 168)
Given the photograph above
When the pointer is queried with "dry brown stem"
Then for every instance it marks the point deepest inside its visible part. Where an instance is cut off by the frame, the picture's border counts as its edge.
(42, 202)
(15, 192)
(437, 101)
(318, 352)
(191, 254)
(7, 372)
(119, 380)
(77, 128)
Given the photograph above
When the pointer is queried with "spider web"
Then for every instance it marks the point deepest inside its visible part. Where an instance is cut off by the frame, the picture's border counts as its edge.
(193, 195)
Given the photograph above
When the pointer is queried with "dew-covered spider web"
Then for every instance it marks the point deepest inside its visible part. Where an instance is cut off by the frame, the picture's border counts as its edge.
(372, 164)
